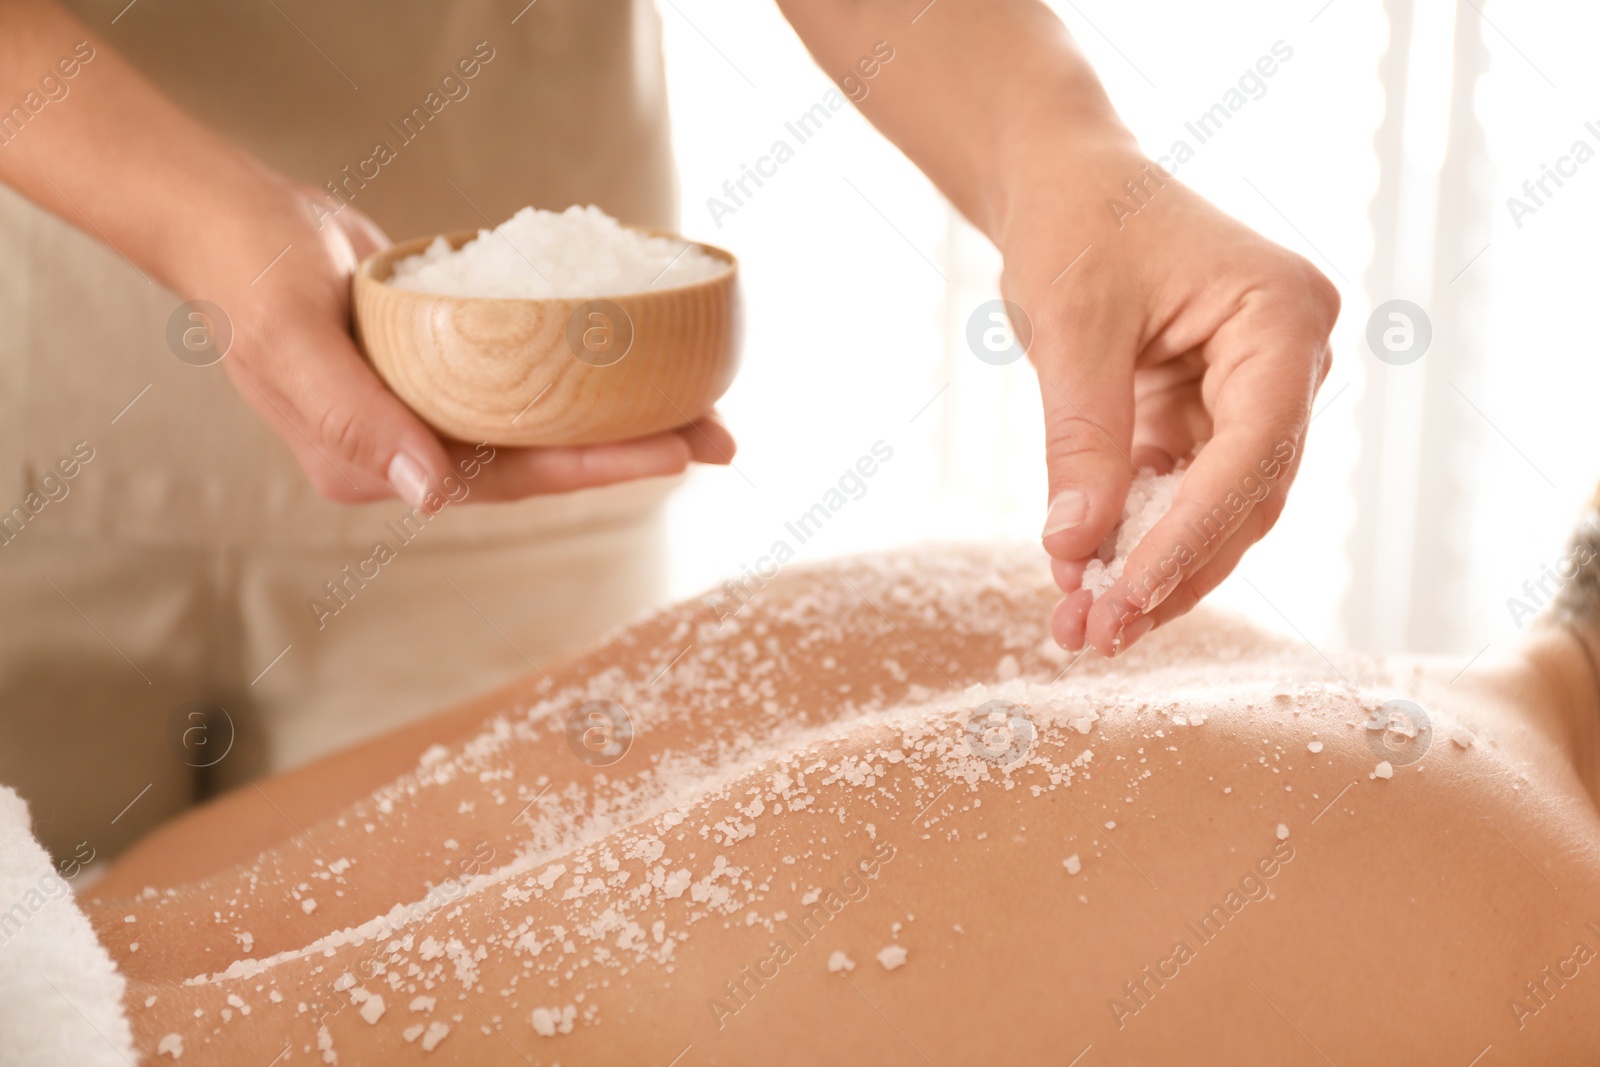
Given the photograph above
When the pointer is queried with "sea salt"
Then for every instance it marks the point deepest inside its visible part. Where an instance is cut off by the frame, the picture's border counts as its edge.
(1072, 863)
(1149, 498)
(892, 956)
(1314, 747)
(1384, 769)
(548, 1022)
(838, 962)
(171, 1045)
(536, 254)
(372, 1009)
(1283, 832)
(435, 1033)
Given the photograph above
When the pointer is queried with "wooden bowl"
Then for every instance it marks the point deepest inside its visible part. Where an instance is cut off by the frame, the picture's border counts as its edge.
(558, 371)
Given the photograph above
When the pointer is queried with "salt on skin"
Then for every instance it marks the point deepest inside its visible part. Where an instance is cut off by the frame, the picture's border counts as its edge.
(548, 1022)
(1384, 769)
(838, 963)
(1283, 832)
(892, 956)
(435, 1033)
(1072, 863)
(930, 752)
(171, 1045)
(372, 1009)
(1314, 747)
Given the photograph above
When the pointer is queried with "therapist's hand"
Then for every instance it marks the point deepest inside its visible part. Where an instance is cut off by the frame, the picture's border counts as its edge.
(1171, 329)
(294, 361)
(196, 213)
(1177, 332)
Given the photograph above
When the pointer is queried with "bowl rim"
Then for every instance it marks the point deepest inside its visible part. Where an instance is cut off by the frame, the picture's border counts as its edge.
(365, 271)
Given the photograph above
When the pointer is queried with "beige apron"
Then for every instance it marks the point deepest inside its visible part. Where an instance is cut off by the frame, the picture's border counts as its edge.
(180, 561)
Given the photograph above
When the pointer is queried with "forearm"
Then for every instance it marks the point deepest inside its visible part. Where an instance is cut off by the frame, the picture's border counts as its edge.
(977, 94)
(109, 154)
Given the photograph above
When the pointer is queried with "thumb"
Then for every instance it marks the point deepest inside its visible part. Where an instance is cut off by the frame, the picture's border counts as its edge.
(1087, 390)
(365, 236)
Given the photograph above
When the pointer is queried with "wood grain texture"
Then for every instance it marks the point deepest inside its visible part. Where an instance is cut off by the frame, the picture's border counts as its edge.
(539, 372)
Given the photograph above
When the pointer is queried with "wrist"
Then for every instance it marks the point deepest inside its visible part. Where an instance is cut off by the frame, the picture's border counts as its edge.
(1064, 154)
(1063, 149)
(227, 225)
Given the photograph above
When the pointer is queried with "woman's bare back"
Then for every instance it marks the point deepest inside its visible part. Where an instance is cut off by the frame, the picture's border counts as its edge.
(869, 813)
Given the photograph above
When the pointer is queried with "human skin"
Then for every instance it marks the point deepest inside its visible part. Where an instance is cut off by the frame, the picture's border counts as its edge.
(1186, 333)
(1181, 333)
(1399, 919)
(197, 214)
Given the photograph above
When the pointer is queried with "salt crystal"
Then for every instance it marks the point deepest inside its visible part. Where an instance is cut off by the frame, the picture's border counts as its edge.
(1111, 824)
(579, 252)
(1314, 746)
(838, 962)
(1384, 769)
(171, 1045)
(892, 956)
(1462, 736)
(308, 905)
(1283, 832)
(422, 1003)
(372, 1010)
(436, 1033)
(1149, 498)
(1073, 864)
(548, 1022)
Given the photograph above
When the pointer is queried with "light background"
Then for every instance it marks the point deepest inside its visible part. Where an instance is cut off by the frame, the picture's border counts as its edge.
(859, 279)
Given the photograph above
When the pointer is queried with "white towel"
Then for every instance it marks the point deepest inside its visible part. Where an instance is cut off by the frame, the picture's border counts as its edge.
(60, 992)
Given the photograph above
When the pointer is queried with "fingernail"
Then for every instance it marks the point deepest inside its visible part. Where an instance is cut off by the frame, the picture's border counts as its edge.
(1068, 509)
(408, 480)
(1131, 633)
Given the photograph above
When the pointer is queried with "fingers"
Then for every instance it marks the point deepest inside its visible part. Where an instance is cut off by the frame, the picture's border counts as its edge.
(1207, 578)
(1070, 621)
(514, 473)
(354, 438)
(1067, 621)
(709, 440)
(1087, 390)
(1262, 402)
